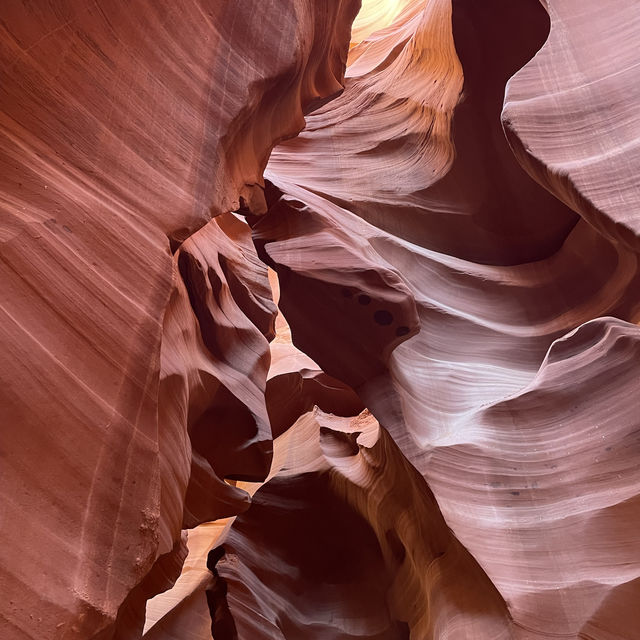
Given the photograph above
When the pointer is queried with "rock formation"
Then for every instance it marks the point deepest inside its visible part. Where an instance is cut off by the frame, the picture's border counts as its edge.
(320, 324)
(130, 316)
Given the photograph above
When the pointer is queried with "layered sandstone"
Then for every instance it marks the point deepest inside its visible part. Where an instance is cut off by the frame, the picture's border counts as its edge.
(400, 401)
(129, 319)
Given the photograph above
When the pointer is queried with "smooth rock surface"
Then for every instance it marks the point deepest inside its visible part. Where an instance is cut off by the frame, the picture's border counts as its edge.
(378, 382)
(124, 127)
(509, 400)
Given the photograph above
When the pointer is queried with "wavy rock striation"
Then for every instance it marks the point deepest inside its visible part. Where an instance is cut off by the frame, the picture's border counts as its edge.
(124, 128)
(452, 245)
(376, 547)
(501, 401)
(571, 114)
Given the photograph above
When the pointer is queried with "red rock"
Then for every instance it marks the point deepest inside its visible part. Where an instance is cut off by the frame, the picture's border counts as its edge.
(435, 435)
(124, 127)
(501, 401)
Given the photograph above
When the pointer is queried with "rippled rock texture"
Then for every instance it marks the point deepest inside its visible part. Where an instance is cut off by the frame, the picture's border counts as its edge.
(378, 382)
(135, 312)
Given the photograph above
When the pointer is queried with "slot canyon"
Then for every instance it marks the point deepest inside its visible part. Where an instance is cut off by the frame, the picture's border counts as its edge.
(320, 319)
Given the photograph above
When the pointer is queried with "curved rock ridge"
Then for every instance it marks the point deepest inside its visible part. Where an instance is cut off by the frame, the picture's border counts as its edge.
(435, 168)
(294, 386)
(125, 127)
(356, 545)
(215, 358)
(362, 305)
(202, 335)
(571, 113)
(510, 401)
(559, 460)
(434, 403)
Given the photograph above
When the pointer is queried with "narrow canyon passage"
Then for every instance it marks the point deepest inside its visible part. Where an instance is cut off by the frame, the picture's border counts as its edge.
(320, 320)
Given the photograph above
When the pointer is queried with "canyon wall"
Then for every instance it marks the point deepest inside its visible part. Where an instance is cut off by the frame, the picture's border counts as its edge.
(135, 313)
(320, 326)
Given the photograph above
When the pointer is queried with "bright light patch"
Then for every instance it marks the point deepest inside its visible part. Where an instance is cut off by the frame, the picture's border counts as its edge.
(375, 15)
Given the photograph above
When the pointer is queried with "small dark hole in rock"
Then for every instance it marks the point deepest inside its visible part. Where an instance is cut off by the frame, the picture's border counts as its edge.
(383, 317)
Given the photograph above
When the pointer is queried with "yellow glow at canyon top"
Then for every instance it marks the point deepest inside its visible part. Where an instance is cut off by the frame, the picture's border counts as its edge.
(375, 15)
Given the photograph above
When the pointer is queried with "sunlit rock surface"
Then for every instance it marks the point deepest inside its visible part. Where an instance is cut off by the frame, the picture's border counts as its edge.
(509, 401)
(401, 402)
